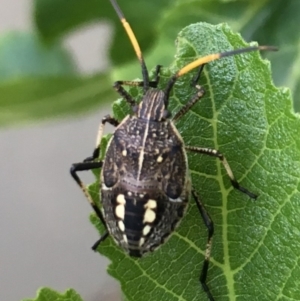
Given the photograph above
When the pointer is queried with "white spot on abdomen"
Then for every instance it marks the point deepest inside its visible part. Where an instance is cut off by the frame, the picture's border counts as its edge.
(142, 241)
(121, 199)
(121, 226)
(120, 212)
(151, 204)
(149, 216)
(159, 159)
(146, 230)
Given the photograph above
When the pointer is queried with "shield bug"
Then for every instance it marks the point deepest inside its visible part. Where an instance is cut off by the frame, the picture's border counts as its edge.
(145, 181)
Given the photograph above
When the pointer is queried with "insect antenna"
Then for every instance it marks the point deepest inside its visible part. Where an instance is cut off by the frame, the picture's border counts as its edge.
(207, 59)
(134, 43)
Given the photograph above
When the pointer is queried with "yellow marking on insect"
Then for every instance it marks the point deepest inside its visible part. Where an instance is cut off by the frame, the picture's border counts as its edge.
(159, 159)
(142, 152)
(142, 241)
(132, 38)
(146, 230)
(121, 226)
(121, 199)
(149, 216)
(151, 204)
(215, 56)
(120, 211)
(197, 63)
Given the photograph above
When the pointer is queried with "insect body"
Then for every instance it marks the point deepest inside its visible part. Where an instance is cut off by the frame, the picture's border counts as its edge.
(145, 183)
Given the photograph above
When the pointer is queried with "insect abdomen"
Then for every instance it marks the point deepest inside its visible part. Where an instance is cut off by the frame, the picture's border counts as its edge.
(144, 184)
(140, 221)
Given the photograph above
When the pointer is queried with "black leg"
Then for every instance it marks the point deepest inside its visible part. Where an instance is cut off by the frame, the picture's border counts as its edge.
(99, 241)
(89, 164)
(96, 153)
(210, 229)
(173, 80)
(217, 154)
(118, 86)
(199, 94)
(81, 167)
(197, 76)
(137, 83)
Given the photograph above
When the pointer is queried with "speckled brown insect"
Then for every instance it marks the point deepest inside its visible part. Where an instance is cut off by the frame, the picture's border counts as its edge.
(145, 182)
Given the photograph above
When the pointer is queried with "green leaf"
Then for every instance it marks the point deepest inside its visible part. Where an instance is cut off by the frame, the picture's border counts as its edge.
(255, 252)
(32, 99)
(22, 54)
(47, 294)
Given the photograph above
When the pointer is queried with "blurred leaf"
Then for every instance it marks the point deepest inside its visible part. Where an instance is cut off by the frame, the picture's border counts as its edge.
(32, 99)
(22, 54)
(157, 23)
(55, 18)
(47, 294)
(255, 254)
(282, 29)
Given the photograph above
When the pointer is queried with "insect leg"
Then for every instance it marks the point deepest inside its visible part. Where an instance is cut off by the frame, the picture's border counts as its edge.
(137, 83)
(197, 76)
(105, 119)
(210, 228)
(217, 154)
(89, 164)
(199, 94)
(99, 241)
(118, 86)
(76, 167)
